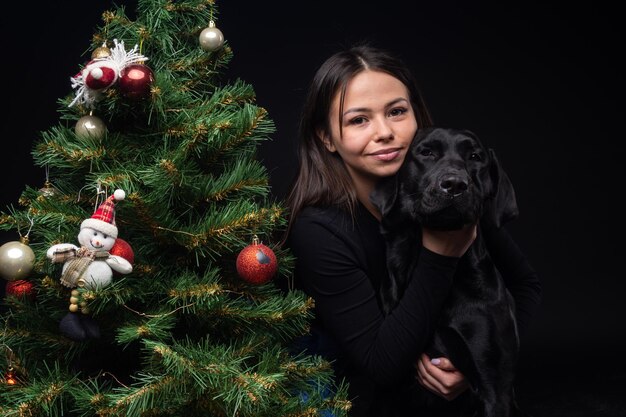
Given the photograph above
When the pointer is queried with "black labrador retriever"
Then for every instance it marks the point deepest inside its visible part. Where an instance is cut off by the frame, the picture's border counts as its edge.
(449, 179)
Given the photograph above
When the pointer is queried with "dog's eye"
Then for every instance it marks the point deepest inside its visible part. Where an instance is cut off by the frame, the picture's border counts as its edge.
(476, 157)
(426, 152)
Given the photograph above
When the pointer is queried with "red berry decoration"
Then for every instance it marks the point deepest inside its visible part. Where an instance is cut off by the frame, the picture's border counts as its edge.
(122, 248)
(256, 263)
(20, 288)
(135, 81)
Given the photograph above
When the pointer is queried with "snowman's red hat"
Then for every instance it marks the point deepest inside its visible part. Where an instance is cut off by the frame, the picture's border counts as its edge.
(103, 220)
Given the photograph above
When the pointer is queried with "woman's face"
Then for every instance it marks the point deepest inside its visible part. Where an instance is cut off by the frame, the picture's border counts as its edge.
(378, 125)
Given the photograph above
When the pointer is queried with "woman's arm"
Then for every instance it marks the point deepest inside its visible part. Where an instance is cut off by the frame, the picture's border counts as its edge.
(443, 378)
(331, 268)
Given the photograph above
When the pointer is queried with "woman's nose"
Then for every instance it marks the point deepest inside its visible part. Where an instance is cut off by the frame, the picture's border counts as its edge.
(383, 131)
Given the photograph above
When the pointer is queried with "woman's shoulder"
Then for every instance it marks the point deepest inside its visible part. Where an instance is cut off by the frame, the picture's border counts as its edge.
(315, 217)
(321, 213)
(333, 220)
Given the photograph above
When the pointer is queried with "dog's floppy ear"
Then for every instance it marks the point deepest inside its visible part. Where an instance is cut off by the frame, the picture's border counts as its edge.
(501, 205)
(385, 194)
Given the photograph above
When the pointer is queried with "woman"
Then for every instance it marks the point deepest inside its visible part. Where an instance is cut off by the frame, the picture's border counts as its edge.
(362, 111)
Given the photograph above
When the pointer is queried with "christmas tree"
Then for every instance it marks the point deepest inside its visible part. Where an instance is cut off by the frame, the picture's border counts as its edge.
(146, 277)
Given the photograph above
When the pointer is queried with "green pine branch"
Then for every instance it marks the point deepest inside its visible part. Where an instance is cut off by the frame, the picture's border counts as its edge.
(182, 334)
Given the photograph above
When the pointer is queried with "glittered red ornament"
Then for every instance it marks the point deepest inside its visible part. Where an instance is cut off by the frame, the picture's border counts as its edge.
(135, 81)
(20, 288)
(256, 263)
(122, 248)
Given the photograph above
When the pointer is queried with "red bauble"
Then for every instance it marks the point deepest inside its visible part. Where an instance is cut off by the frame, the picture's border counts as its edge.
(20, 288)
(135, 81)
(122, 248)
(256, 263)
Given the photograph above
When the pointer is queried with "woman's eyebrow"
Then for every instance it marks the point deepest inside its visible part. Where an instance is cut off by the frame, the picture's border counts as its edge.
(364, 109)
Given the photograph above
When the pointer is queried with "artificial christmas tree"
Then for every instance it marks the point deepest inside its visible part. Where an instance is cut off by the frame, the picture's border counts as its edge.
(180, 332)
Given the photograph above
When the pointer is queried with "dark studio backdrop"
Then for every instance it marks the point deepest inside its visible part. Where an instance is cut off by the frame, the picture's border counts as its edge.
(537, 82)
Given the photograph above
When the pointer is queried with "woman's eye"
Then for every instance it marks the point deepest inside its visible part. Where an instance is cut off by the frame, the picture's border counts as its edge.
(398, 111)
(357, 120)
(475, 157)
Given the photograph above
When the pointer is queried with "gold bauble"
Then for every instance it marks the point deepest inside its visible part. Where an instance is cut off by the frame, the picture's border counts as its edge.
(48, 190)
(101, 52)
(16, 260)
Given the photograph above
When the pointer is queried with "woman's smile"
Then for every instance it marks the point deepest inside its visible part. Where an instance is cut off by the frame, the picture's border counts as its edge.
(386, 154)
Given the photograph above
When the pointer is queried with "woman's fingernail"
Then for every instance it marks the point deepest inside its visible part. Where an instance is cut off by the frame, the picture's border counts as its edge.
(435, 361)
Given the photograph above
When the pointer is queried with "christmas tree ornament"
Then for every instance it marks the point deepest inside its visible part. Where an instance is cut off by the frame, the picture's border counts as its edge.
(9, 377)
(90, 126)
(101, 52)
(20, 288)
(48, 190)
(123, 249)
(91, 266)
(135, 81)
(211, 38)
(256, 263)
(16, 259)
(101, 73)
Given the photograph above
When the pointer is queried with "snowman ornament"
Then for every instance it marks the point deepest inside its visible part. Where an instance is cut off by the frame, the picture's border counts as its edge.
(89, 266)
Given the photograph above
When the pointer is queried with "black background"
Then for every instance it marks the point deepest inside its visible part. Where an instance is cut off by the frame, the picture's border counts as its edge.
(539, 82)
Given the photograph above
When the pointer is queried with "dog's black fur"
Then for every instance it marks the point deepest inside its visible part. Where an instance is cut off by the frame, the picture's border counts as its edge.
(449, 179)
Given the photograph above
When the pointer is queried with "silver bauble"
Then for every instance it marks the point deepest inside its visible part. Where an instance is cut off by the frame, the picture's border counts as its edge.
(16, 260)
(90, 126)
(211, 38)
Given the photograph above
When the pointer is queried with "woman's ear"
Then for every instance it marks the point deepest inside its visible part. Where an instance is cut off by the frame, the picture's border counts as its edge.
(326, 140)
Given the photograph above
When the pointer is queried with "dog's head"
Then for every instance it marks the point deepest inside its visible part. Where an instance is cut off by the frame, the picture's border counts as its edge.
(448, 179)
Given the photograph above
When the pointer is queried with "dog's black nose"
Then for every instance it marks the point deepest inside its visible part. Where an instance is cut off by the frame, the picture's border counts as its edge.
(453, 184)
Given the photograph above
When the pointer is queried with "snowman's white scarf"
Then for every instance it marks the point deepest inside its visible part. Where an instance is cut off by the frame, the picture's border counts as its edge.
(77, 263)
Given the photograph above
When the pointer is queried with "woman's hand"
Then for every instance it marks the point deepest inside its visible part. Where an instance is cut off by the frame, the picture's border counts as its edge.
(440, 377)
(449, 242)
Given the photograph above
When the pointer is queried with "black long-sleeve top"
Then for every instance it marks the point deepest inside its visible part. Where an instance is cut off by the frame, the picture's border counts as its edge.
(339, 260)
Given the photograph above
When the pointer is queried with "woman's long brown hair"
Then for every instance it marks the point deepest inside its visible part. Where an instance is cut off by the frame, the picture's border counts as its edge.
(322, 178)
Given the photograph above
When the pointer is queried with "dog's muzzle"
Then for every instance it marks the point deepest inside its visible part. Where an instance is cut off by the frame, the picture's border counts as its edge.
(453, 185)
(450, 203)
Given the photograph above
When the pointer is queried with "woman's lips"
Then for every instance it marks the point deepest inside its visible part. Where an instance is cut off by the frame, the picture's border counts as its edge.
(386, 155)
